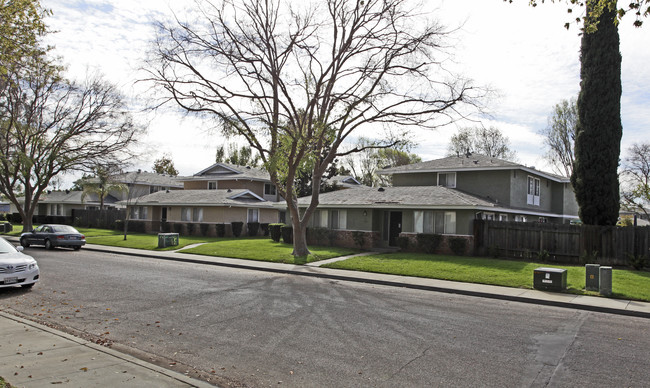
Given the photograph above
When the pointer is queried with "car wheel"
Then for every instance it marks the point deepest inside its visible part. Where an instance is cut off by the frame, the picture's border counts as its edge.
(28, 285)
(76, 248)
(48, 244)
(24, 243)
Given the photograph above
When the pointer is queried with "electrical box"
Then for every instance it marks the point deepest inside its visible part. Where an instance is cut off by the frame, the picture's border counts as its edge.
(549, 279)
(167, 240)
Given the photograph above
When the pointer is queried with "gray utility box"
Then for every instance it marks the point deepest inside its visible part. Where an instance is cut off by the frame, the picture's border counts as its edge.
(167, 240)
(550, 279)
(592, 278)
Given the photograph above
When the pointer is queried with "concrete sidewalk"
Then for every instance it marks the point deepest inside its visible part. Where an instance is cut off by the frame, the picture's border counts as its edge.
(34, 355)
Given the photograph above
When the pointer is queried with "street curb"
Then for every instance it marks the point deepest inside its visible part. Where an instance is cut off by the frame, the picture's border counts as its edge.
(480, 294)
(113, 353)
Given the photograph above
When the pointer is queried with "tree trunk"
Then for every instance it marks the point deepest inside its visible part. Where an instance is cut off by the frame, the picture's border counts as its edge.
(300, 248)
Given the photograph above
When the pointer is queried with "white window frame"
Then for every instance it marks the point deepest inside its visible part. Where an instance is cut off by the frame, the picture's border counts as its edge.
(520, 218)
(197, 214)
(439, 222)
(253, 215)
(448, 175)
(269, 189)
(533, 191)
(503, 217)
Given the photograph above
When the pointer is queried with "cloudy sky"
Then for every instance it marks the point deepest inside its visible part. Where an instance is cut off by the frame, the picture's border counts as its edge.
(523, 53)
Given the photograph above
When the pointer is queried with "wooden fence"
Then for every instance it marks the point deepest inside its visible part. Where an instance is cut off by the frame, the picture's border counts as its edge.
(562, 243)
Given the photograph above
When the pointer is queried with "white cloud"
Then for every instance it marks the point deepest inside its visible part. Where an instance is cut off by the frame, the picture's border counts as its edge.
(523, 52)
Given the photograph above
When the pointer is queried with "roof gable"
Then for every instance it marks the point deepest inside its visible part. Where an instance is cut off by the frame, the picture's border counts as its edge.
(218, 169)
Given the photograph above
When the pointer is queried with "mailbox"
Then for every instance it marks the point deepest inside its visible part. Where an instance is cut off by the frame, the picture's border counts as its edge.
(549, 279)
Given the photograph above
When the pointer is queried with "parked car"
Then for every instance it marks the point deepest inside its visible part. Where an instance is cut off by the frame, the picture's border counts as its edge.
(16, 268)
(52, 235)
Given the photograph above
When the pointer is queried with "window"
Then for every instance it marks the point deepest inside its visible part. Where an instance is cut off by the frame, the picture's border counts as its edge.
(269, 189)
(447, 179)
(503, 217)
(437, 222)
(337, 219)
(197, 214)
(334, 219)
(139, 212)
(192, 214)
(212, 185)
(533, 191)
(186, 214)
(253, 215)
(520, 218)
(153, 189)
(55, 209)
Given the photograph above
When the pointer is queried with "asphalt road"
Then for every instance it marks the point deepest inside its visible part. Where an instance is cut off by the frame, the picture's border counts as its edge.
(251, 328)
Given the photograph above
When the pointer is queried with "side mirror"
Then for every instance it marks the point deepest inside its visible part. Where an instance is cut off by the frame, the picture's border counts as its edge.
(20, 248)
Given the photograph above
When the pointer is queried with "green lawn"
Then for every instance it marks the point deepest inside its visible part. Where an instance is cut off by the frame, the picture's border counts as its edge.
(509, 273)
(265, 249)
(258, 248)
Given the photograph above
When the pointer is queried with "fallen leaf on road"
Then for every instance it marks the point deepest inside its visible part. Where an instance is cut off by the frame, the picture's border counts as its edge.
(84, 369)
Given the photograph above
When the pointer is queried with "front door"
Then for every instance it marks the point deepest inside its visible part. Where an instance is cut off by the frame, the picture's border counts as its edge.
(163, 214)
(394, 228)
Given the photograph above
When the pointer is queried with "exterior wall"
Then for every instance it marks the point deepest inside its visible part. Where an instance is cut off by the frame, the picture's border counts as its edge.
(465, 222)
(493, 185)
(254, 186)
(407, 221)
(416, 179)
(570, 203)
(196, 185)
(520, 191)
(357, 221)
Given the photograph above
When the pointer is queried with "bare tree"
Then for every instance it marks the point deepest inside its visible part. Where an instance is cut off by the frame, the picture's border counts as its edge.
(49, 126)
(296, 82)
(485, 141)
(560, 135)
(636, 179)
(365, 165)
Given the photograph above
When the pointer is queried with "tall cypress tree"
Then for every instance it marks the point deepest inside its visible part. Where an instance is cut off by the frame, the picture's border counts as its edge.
(599, 129)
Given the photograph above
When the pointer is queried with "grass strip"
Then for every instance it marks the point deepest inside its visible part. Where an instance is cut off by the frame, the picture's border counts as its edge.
(627, 284)
(265, 249)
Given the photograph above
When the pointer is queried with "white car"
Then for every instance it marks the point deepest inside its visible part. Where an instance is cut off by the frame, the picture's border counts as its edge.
(16, 268)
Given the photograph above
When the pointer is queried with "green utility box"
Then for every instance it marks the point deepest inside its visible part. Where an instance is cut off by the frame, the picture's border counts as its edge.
(549, 279)
(167, 240)
(6, 227)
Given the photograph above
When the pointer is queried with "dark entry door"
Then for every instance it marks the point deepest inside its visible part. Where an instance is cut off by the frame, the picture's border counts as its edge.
(394, 228)
(163, 214)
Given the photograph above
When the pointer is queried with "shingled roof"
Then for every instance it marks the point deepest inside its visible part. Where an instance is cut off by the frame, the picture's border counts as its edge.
(222, 171)
(472, 162)
(429, 197)
(73, 197)
(236, 198)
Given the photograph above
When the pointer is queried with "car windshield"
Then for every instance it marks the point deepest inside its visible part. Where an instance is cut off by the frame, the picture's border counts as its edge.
(64, 229)
(6, 247)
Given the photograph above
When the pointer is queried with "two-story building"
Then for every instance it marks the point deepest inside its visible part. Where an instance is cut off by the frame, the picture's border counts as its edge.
(220, 194)
(445, 196)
